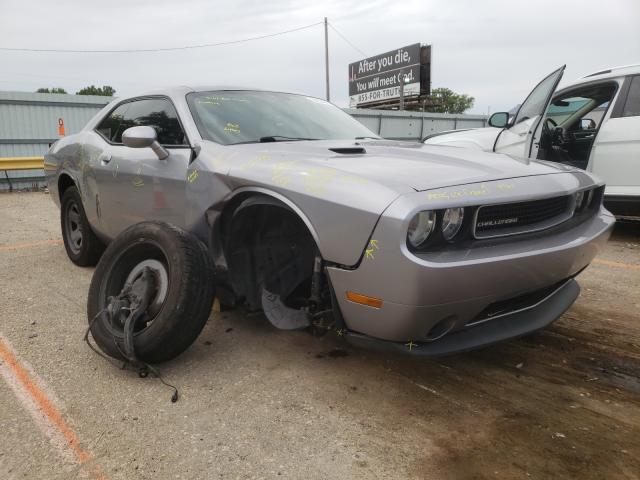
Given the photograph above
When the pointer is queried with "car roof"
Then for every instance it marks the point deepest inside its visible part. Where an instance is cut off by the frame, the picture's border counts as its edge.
(613, 72)
(181, 90)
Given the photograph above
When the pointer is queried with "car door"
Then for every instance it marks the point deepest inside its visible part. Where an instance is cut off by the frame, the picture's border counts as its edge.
(133, 183)
(614, 157)
(518, 138)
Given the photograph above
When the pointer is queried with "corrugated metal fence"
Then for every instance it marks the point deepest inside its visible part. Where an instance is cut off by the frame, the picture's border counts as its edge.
(403, 125)
(29, 123)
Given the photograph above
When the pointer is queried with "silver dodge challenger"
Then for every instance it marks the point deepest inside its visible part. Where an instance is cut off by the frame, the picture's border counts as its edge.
(308, 216)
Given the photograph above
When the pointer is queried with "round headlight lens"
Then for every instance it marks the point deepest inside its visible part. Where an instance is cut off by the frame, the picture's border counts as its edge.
(451, 222)
(420, 227)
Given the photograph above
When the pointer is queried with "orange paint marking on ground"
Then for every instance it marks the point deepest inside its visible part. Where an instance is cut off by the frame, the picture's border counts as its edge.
(20, 246)
(609, 263)
(49, 410)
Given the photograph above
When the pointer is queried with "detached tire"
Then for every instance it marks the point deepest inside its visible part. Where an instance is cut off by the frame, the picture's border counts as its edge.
(82, 246)
(183, 274)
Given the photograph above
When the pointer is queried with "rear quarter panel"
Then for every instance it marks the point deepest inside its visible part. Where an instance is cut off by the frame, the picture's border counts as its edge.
(68, 156)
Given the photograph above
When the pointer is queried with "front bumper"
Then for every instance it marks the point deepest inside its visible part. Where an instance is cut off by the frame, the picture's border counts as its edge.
(452, 289)
(482, 334)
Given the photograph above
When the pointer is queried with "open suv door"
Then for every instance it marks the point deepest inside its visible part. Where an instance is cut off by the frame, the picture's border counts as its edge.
(517, 138)
(517, 133)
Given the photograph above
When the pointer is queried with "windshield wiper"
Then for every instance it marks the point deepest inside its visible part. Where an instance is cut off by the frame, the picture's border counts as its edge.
(364, 138)
(281, 138)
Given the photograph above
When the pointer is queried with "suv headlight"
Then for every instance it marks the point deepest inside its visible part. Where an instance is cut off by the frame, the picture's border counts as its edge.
(451, 222)
(420, 227)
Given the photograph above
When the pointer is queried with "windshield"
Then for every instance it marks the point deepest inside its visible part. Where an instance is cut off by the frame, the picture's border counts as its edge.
(234, 116)
(562, 109)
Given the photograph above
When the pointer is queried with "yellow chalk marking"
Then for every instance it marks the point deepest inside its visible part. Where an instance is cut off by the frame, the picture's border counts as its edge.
(456, 194)
(232, 128)
(255, 161)
(193, 176)
(282, 173)
(317, 179)
(410, 345)
(353, 179)
(137, 182)
(373, 246)
(215, 100)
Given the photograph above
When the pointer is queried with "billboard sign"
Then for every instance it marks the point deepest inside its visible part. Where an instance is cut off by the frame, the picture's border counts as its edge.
(378, 78)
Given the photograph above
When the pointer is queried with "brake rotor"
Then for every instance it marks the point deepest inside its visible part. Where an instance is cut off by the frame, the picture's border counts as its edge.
(161, 281)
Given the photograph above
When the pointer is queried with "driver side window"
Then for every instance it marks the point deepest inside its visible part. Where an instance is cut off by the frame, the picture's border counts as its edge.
(536, 102)
(158, 113)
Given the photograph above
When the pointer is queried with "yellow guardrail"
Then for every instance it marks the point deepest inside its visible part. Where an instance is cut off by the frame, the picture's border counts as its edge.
(21, 163)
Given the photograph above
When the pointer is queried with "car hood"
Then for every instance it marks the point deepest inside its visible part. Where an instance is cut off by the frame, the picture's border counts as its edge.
(404, 164)
(476, 138)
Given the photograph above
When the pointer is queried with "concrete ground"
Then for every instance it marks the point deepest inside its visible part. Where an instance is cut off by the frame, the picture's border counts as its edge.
(261, 403)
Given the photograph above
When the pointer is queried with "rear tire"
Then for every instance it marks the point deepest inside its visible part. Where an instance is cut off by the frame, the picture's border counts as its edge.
(82, 246)
(184, 292)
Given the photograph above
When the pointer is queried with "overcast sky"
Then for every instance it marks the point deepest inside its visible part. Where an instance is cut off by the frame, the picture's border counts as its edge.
(493, 50)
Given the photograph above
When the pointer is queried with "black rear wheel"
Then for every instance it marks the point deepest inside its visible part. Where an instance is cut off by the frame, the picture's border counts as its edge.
(82, 246)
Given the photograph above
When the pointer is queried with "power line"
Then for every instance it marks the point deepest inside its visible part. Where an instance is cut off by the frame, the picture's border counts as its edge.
(142, 50)
(347, 40)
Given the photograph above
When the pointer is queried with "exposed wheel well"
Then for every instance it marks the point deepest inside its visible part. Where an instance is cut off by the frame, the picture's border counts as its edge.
(266, 245)
(64, 182)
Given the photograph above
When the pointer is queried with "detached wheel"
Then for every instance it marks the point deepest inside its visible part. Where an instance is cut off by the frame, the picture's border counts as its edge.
(182, 297)
(82, 246)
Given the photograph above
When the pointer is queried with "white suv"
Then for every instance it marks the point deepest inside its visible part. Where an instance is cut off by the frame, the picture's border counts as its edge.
(593, 123)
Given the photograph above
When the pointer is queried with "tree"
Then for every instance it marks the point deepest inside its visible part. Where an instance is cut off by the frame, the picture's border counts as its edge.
(105, 91)
(51, 90)
(444, 100)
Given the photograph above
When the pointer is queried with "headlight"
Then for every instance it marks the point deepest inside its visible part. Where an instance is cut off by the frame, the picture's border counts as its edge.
(589, 198)
(420, 227)
(451, 222)
(579, 199)
(583, 199)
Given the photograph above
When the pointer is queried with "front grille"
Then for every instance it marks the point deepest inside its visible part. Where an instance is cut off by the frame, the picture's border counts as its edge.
(511, 218)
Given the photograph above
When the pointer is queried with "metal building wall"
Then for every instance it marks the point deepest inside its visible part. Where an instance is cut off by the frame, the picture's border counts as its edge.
(29, 123)
(404, 125)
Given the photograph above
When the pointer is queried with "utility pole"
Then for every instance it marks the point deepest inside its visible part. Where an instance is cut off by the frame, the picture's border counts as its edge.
(401, 107)
(326, 56)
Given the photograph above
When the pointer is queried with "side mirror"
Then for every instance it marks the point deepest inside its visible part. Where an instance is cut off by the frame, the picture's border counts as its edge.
(143, 137)
(587, 124)
(499, 119)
